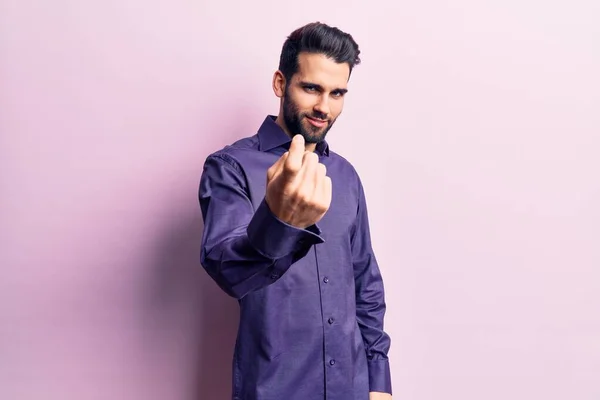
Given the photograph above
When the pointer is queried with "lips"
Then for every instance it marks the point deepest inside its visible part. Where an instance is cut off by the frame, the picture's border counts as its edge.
(320, 123)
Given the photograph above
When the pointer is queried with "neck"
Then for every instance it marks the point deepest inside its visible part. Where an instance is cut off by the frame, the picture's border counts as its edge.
(280, 121)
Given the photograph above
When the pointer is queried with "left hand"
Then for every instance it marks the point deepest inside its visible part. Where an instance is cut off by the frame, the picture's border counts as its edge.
(379, 396)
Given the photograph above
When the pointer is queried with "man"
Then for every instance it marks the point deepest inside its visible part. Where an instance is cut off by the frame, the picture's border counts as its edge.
(286, 233)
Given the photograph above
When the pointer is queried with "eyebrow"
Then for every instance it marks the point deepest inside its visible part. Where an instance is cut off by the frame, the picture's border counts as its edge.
(319, 87)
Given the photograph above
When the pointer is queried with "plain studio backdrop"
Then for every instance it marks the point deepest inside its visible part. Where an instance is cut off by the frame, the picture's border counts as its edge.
(475, 126)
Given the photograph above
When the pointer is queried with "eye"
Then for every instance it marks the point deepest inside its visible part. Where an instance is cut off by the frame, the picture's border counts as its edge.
(337, 94)
(310, 89)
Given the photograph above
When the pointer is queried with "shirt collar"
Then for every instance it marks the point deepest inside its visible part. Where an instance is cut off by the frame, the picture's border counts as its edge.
(271, 136)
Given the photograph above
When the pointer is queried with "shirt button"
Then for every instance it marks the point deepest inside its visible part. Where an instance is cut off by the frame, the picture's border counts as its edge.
(330, 320)
(326, 280)
(331, 362)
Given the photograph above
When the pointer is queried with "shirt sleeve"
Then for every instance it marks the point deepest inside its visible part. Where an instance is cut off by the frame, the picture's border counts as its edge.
(244, 249)
(370, 301)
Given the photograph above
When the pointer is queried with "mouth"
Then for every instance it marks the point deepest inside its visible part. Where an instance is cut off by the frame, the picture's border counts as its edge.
(319, 123)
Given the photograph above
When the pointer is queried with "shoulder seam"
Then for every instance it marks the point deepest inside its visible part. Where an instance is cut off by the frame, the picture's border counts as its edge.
(229, 160)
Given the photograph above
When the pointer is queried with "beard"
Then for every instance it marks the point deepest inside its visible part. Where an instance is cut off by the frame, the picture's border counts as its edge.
(297, 124)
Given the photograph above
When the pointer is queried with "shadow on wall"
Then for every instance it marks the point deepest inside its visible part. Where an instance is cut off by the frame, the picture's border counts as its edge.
(184, 301)
(216, 339)
(187, 304)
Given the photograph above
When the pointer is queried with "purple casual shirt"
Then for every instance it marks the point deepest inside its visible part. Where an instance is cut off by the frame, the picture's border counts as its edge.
(311, 300)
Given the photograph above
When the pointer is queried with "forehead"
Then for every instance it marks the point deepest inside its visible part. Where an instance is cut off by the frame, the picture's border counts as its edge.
(322, 70)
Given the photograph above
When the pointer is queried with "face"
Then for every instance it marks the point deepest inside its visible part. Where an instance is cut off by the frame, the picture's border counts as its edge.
(314, 98)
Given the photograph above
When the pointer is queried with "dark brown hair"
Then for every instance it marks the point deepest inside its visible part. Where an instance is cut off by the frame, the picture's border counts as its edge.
(318, 38)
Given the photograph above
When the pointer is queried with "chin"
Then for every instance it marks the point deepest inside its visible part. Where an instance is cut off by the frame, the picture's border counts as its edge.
(315, 138)
(318, 133)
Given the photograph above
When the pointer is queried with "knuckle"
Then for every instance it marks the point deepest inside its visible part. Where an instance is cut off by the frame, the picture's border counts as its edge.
(323, 207)
(322, 169)
(306, 199)
(310, 157)
(299, 195)
(290, 188)
(291, 168)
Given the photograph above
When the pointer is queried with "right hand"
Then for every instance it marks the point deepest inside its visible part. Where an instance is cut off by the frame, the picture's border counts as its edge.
(298, 189)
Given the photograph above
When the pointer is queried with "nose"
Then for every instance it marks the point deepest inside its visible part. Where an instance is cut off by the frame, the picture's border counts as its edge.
(322, 106)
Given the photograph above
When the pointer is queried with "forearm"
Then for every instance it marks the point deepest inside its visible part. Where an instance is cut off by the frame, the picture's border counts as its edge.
(252, 259)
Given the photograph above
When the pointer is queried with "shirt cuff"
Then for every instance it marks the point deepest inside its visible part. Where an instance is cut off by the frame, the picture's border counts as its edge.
(379, 376)
(274, 238)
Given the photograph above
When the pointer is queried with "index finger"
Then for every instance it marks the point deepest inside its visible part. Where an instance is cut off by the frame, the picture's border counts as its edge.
(294, 160)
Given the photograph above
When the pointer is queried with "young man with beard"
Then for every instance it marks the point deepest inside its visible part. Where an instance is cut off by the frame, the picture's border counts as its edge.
(286, 232)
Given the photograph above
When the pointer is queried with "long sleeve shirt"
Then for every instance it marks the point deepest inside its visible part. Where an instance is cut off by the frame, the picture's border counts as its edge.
(311, 300)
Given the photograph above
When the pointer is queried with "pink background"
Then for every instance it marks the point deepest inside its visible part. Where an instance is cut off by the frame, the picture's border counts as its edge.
(474, 124)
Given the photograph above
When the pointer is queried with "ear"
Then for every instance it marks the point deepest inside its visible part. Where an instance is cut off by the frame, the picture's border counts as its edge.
(278, 84)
